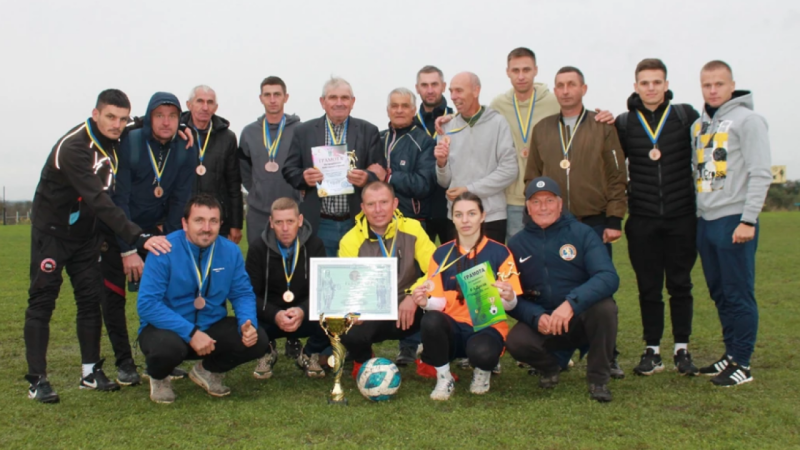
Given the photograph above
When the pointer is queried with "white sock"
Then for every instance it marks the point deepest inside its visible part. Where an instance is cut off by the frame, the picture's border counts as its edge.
(86, 369)
(656, 349)
(681, 347)
(443, 370)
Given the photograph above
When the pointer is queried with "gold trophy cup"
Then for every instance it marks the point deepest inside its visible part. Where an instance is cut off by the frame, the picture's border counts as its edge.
(335, 327)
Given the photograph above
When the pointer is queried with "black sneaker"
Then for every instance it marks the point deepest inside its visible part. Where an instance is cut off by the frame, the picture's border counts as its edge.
(716, 368)
(733, 375)
(616, 371)
(600, 393)
(98, 380)
(649, 364)
(549, 381)
(684, 364)
(406, 356)
(293, 348)
(127, 374)
(40, 389)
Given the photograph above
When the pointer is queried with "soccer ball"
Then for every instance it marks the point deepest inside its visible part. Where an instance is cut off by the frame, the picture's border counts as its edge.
(378, 379)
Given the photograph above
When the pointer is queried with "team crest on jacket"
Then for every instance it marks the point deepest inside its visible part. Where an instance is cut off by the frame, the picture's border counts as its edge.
(48, 265)
(568, 252)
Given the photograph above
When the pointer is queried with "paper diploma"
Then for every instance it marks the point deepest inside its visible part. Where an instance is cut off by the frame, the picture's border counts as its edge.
(334, 163)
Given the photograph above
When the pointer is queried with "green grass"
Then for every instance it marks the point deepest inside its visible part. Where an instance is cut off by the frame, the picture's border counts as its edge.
(288, 411)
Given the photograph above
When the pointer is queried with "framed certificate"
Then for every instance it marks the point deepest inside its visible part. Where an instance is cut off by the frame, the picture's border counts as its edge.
(353, 285)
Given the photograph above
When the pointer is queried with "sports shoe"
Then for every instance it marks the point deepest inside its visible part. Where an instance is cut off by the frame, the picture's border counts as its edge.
(210, 381)
(522, 365)
(98, 380)
(406, 356)
(310, 364)
(684, 364)
(40, 389)
(462, 363)
(264, 368)
(600, 393)
(161, 390)
(716, 368)
(616, 371)
(649, 364)
(480, 381)
(444, 387)
(549, 381)
(498, 369)
(733, 375)
(127, 374)
(428, 371)
(176, 374)
(293, 348)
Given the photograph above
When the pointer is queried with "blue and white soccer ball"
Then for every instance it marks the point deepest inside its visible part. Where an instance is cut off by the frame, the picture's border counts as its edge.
(378, 379)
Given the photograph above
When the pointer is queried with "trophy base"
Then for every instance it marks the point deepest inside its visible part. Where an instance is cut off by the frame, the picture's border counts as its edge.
(342, 402)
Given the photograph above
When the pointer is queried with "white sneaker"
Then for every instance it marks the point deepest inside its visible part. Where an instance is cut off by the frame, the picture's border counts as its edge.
(444, 387)
(480, 381)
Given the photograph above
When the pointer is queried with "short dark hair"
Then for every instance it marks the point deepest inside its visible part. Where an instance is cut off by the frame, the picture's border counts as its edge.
(717, 64)
(113, 97)
(430, 69)
(651, 64)
(376, 185)
(522, 52)
(571, 69)
(206, 200)
(273, 81)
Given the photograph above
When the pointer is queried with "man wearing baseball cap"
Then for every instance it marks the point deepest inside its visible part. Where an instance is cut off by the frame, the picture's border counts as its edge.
(568, 281)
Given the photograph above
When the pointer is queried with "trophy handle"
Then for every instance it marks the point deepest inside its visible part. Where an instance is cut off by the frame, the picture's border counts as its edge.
(323, 324)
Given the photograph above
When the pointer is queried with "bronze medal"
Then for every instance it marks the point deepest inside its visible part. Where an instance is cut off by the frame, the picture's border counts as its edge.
(158, 192)
(429, 285)
(655, 154)
(201, 170)
(271, 166)
(199, 302)
(288, 296)
(525, 153)
(564, 164)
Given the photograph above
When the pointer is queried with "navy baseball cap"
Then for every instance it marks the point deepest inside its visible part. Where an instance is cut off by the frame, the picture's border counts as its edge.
(542, 184)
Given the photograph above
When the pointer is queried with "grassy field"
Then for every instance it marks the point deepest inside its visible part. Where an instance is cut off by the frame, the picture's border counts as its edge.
(289, 411)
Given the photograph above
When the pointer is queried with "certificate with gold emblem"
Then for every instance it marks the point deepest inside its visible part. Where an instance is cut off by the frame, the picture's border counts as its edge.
(368, 286)
(334, 163)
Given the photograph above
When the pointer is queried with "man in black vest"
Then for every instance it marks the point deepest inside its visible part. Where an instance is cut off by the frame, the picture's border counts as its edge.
(661, 229)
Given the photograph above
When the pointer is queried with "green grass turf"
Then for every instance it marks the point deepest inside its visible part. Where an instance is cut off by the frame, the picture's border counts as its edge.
(289, 411)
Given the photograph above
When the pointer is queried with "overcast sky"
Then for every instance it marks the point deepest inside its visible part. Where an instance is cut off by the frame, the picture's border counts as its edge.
(58, 55)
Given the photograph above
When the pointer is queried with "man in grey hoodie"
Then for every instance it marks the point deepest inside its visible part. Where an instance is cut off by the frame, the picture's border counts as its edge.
(732, 170)
(477, 154)
(263, 147)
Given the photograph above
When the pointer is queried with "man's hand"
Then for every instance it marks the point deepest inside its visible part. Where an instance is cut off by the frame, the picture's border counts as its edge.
(157, 244)
(358, 177)
(235, 235)
(559, 320)
(283, 321)
(453, 193)
(544, 324)
(406, 313)
(188, 137)
(378, 170)
(439, 123)
(442, 152)
(249, 334)
(610, 235)
(744, 233)
(202, 344)
(295, 316)
(506, 290)
(312, 176)
(133, 266)
(420, 296)
(604, 116)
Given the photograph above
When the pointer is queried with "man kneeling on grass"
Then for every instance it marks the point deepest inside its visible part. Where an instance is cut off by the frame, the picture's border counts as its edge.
(182, 306)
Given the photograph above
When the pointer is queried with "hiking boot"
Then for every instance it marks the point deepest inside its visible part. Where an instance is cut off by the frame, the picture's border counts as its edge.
(127, 374)
(210, 381)
(733, 375)
(406, 356)
(600, 393)
(264, 368)
(445, 384)
(98, 380)
(161, 391)
(616, 371)
(176, 374)
(310, 365)
(40, 389)
(480, 381)
(549, 381)
(684, 364)
(293, 348)
(716, 368)
(649, 364)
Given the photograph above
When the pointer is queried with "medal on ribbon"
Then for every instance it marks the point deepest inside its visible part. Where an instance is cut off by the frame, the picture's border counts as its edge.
(565, 148)
(159, 191)
(429, 284)
(201, 169)
(288, 296)
(111, 162)
(471, 122)
(272, 147)
(654, 153)
(199, 301)
(391, 252)
(341, 139)
(524, 129)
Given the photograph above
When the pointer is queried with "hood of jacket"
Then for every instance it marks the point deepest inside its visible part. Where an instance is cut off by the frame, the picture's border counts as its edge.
(290, 119)
(268, 236)
(739, 99)
(362, 225)
(635, 101)
(217, 123)
(542, 94)
(158, 99)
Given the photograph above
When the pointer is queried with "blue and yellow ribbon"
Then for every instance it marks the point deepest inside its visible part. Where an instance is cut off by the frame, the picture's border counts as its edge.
(272, 147)
(526, 130)
(111, 162)
(654, 135)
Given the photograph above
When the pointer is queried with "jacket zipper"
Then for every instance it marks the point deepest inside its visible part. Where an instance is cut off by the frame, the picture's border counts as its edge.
(544, 263)
(660, 182)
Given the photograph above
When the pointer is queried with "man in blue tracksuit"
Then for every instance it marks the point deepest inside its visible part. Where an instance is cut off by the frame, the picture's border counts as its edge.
(154, 182)
(568, 281)
(182, 306)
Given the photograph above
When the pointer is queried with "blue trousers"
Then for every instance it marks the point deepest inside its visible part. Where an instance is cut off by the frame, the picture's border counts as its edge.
(331, 232)
(730, 271)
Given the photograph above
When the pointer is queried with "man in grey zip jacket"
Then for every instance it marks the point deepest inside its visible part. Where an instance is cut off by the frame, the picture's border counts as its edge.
(732, 172)
(477, 154)
(257, 162)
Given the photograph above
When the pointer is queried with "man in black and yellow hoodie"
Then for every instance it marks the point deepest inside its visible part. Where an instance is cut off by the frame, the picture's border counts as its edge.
(381, 230)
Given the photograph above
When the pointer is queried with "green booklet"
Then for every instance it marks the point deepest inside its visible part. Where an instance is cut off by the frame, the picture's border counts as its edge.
(483, 299)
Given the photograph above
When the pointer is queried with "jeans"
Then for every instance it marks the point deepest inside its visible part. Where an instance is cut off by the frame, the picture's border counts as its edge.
(331, 232)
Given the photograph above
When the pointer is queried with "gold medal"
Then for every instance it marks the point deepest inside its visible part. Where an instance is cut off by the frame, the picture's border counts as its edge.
(158, 192)
(564, 164)
(655, 154)
(201, 170)
(288, 296)
(429, 285)
(271, 166)
(199, 302)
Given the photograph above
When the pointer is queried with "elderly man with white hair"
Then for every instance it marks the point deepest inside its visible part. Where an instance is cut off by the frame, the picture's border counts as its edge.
(217, 169)
(477, 154)
(333, 216)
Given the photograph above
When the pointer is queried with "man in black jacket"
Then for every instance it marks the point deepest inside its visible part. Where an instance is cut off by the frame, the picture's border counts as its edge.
(217, 165)
(661, 228)
(277, 264)
(332, 217)
(71, 196)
